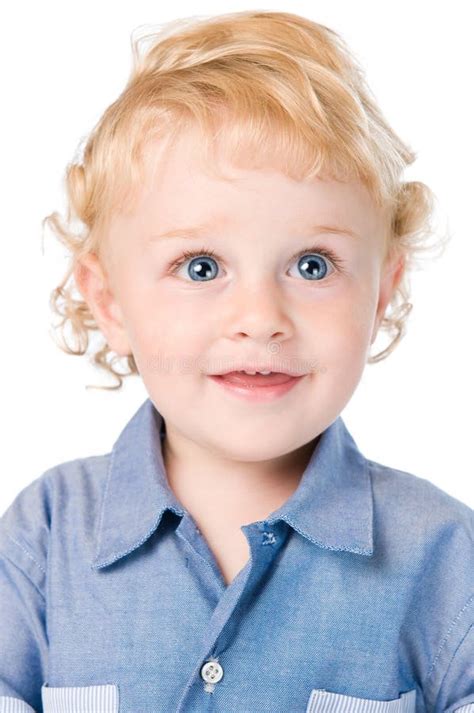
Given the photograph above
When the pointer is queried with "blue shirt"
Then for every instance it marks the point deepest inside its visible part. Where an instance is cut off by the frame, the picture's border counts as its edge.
(358, 596)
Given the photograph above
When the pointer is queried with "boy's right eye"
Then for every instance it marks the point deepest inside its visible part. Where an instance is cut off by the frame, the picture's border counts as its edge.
(200, 268)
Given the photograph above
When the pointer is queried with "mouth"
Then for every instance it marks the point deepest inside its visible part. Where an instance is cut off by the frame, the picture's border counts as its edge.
(242, 378)
(257, 387)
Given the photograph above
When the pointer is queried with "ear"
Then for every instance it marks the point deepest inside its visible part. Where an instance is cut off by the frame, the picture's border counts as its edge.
(392, 273)
(92, 283)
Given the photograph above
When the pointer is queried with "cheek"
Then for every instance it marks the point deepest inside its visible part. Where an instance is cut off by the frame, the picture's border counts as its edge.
(340, 332)
(341, 354)
(166, 336)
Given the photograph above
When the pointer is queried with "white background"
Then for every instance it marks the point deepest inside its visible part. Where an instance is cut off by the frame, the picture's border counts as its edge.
(64, 63)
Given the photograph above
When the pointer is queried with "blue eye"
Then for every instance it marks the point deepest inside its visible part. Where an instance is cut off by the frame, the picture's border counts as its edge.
(312, 263)
(203, 268)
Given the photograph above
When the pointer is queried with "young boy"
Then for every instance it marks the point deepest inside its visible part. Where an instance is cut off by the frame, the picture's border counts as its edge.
(235, 552)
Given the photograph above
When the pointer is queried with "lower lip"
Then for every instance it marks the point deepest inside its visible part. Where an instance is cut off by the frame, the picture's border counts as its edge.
(258, 393)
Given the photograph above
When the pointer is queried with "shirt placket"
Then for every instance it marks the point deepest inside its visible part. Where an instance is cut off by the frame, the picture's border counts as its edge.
(202, 691)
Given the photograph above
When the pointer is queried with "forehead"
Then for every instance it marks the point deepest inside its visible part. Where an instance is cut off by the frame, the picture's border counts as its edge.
(177, 171)
(181, 186)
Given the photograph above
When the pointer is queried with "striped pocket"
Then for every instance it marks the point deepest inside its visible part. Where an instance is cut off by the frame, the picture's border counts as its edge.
(321, 701)
(80, 699)
(8, 704)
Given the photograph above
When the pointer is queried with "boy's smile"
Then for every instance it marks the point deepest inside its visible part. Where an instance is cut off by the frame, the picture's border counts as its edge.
(258, 288)
(257, 388)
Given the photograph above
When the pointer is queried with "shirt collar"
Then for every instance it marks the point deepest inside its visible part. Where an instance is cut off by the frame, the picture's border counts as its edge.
(332, 506)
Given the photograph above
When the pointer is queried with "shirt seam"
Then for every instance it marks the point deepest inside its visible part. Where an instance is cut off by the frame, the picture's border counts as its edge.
(25, 551)
(453, 657)
(14, 564)
(469, 602)
(444, 642)
(99, 530)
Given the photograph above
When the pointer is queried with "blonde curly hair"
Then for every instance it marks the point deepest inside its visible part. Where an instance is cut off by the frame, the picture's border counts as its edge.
(288, 93)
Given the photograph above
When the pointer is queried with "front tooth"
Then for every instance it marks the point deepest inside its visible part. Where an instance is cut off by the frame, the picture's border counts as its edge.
(252, 373)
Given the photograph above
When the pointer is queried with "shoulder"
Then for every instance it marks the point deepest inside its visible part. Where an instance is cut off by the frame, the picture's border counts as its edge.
(411, 496)
(425, 533)
(58, 500)
(426, 538)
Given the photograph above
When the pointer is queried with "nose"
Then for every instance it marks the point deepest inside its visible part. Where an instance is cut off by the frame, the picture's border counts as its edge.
(259, 311)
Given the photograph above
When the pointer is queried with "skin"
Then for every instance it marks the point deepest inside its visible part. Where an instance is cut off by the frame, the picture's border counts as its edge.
(224, 454)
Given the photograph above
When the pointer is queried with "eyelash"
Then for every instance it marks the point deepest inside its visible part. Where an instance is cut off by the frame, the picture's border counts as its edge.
(208, 252)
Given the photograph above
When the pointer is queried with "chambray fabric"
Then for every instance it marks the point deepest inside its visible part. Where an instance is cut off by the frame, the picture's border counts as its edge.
(358, 596)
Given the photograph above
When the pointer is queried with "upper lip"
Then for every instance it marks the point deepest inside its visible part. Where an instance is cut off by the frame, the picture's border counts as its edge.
(258, 367)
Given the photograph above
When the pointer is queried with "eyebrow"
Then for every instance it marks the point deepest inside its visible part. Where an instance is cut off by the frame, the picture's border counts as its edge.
(198, 231)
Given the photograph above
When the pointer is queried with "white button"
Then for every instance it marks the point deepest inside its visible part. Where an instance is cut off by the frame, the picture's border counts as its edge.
(268, 538)
(212, 672)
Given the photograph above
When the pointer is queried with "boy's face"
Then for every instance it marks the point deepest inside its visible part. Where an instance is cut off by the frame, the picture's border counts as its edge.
(257, 305)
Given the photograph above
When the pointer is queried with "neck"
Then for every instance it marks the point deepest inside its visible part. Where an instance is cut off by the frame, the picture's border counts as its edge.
(239, 491)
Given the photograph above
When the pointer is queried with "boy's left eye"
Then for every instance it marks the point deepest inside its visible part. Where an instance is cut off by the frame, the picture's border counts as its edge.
(312, 262)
